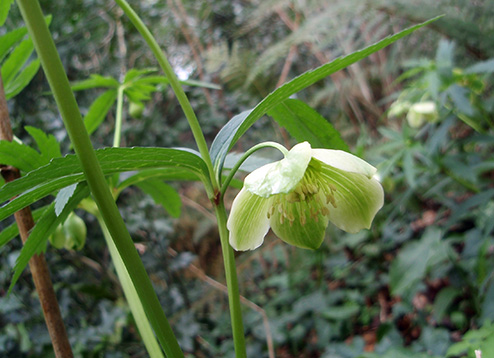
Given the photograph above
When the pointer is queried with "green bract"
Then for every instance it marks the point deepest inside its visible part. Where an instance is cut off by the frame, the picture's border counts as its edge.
(298, 196)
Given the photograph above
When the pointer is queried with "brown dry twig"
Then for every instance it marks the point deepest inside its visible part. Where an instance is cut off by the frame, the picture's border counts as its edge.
(37, 264)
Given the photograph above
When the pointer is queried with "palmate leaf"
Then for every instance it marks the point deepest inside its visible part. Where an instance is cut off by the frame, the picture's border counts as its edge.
(239, 124)
(62, 172)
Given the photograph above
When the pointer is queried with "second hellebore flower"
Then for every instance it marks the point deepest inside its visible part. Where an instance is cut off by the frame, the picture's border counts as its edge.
(298, 196)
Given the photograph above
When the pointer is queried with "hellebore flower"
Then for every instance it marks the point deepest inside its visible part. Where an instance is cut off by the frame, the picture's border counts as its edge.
(298, 196)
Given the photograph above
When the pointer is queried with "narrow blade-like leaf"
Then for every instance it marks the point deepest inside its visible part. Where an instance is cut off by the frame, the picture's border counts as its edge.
(14, 87)
(239, 124)
(162, 194)
(46, 225)
(305, 124)
(62, 172)
(99, 109)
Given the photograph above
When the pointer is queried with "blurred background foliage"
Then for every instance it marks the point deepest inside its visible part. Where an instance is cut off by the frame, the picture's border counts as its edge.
(418, 284)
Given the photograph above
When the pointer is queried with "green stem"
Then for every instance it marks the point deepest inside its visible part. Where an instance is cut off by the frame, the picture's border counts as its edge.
(231, 283)
(117, 136)
(143, 326)
(248, 153)
(59, 84)
(175, 85)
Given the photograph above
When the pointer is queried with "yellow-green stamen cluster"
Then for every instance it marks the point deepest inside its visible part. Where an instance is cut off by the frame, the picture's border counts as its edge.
(311, 197)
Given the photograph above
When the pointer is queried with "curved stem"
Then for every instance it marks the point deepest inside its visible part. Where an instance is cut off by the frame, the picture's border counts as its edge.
(248, 153)
(59, 84)
(231, 283)
(175, 84)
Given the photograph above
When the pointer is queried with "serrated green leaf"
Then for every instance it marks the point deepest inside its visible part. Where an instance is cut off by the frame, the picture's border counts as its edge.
(63, 198)
(62, 172)
(14, 87)
(47, 143)
(46, 225)
(162, 194)
(95, 81)
(12, 230)
(19, 156)
(162, 174)
(305, 124)
(99, 109)
(8, 40)
(16, 60)
(239, 124)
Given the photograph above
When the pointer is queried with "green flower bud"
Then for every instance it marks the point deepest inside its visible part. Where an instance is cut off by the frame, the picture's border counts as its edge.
(57, 239)
(70, 235)
(136, 109)
(75, 232)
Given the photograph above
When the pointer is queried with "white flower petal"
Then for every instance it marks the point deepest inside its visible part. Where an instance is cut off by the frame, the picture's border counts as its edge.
(344, 161)
(248, 222)
(282, 176)
(304, 231)
(357, 199)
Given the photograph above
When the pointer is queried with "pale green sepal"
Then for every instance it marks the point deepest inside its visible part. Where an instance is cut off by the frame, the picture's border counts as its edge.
(357, 199)
(282, 176)
(248, 221)
(344, 161)
(307, 236)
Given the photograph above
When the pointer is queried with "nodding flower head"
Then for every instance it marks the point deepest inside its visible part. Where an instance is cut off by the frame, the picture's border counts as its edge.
(299, 195)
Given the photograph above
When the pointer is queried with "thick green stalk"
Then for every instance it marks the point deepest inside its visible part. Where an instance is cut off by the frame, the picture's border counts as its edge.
(59, 84)
(228, 257)
(231, 283)
(175, 84)
(131, 295)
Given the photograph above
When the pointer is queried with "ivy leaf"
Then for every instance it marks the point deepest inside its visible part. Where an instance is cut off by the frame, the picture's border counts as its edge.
(305, 124)
(239, 124)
